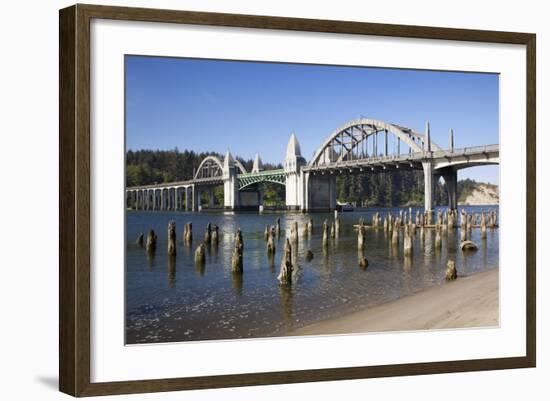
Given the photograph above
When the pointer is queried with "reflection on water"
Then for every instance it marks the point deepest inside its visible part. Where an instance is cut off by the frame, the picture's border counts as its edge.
(175, 299)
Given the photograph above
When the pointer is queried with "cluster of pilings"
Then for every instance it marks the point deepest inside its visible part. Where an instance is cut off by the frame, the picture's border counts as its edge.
(211, 239)
(404, 226)
(400, 229)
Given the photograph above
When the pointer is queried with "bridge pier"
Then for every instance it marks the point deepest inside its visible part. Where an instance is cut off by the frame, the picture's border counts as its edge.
(188, 194)
(451, 177)
(230, 183)
(211, 197)
(320, 192)
(294, 178)
(427, 166)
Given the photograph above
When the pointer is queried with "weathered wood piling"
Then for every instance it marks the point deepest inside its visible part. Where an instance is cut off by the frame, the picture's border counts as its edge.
(361, 235)
(200, 254)
(140, 240)
(208, 234)
(294, 232)
(407, 242)
(151, 244)
(363, 262)
(395, 234)
(450, 272)
(237, 255)
(188, 233)
(437, 242)
(172, 238)
(270, 243)
(285, 273)
(278, 227)
(483, 226)
(325, 233)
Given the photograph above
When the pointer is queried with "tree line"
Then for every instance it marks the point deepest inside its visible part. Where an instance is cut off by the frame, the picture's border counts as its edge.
(145, 167)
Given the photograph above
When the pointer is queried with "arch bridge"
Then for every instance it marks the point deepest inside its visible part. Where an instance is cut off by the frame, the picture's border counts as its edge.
(358, 147)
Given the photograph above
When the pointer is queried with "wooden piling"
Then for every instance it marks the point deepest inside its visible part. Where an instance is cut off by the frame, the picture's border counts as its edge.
(450, 273)
(237, 255)
(200, 255)
(151, 244)
(361, 236)
(278, 227)
(172, 238)
(270, 243)
(294, 232)
(285, 273)
(140, 240)
(437, 242)
(483, 226)
(215, 235)
(208, 234)
(395, 234)
(188, 233)
(407, 242)
(325, 233)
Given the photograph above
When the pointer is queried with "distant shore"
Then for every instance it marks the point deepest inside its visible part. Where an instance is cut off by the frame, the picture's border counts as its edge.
(471, 301)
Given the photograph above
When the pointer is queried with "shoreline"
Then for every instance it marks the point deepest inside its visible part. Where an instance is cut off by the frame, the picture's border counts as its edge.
(469, 301)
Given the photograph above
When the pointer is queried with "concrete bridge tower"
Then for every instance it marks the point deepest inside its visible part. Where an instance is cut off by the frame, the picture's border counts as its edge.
(293, 174)
(257, 166)
(230, 183)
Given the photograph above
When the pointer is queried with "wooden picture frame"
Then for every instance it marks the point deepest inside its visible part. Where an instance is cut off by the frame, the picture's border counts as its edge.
(74, 203)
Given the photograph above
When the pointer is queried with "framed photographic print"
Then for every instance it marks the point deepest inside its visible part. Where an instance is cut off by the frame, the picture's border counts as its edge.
(251, 200)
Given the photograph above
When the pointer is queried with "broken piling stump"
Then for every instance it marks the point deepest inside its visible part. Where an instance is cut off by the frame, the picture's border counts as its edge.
(450, 273)
(172, 238)
(151, 244)
(285, 274)
(200, 255)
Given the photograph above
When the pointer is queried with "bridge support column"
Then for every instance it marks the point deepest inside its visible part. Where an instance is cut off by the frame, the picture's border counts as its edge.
(450, 177)
(230, 183)
(187, 198)
(294, 181)
(428, 187)
(211, 197)
(196, 196)
(321, 192)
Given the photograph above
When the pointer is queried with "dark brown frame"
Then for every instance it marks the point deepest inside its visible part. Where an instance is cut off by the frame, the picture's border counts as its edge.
(74, 199)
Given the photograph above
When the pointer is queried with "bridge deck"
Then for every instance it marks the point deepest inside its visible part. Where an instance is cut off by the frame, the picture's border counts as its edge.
(408, 160)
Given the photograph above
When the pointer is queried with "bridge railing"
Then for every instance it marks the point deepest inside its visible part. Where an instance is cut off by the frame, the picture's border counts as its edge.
(471, 150)
(262, 173)
(163, 185)
(408, 157)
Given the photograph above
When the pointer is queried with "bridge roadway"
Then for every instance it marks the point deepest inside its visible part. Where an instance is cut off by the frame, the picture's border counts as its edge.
(312, 186)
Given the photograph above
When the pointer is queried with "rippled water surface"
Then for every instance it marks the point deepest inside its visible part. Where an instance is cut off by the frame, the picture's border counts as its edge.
(170, 299)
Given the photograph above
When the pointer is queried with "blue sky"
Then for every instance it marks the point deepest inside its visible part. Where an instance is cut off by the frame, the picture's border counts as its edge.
(249, 107)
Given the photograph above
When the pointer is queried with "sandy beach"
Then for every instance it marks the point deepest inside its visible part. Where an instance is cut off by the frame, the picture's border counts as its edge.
(470, 301)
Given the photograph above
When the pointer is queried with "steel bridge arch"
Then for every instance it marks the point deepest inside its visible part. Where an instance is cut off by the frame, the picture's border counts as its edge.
(277, 177)
(240, 166)
(361, 129)
(210, 167)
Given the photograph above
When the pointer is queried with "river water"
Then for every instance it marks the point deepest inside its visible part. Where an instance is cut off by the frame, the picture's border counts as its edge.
(170, 299)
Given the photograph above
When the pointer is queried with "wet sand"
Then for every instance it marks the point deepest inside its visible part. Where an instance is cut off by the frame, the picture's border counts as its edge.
(467, 302)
